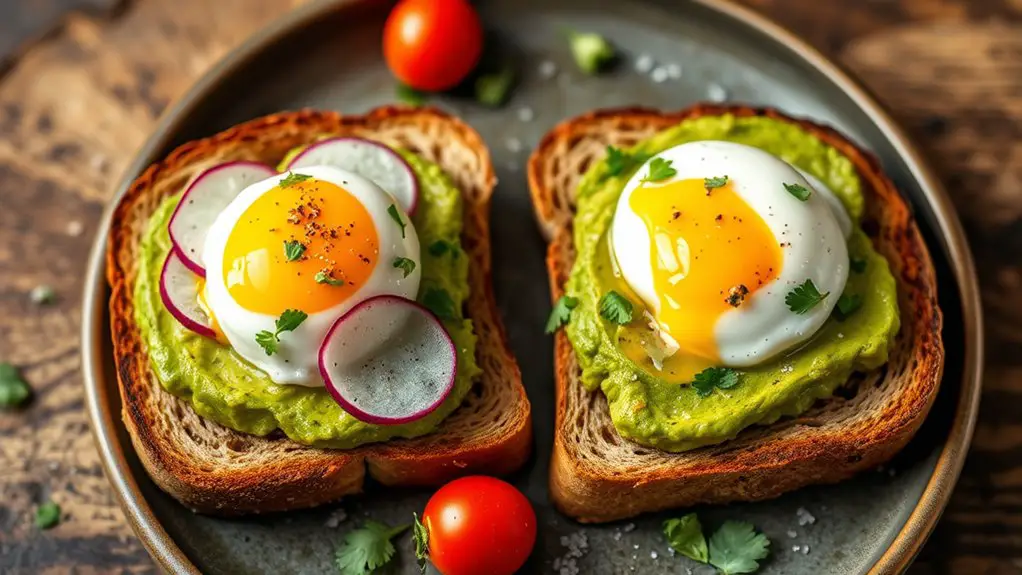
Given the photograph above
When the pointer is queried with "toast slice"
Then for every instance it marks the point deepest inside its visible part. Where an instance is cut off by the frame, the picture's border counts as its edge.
(216, 470)
(597, 476)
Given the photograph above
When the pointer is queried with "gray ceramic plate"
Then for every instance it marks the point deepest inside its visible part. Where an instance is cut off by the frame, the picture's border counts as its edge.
(327, 55)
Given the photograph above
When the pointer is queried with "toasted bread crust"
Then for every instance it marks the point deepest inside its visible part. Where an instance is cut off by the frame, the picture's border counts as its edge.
(216, 470)
(597, 476)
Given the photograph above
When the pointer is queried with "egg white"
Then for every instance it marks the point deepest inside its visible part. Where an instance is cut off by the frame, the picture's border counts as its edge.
(296, 359)
(763, 326)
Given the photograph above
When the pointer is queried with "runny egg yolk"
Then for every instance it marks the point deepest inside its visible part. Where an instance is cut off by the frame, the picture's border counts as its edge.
(309, 246)
(709, 251)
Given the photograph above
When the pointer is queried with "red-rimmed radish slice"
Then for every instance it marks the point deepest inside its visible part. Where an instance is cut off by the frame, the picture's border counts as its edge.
(369, 159)
(202, 202)
(179, 290)
(388, 360)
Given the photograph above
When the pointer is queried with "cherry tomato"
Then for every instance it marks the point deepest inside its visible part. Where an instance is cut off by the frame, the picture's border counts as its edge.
(432, 45)
(479, 526)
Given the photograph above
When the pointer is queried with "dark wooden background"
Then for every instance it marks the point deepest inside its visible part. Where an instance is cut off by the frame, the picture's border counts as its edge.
(84, 80)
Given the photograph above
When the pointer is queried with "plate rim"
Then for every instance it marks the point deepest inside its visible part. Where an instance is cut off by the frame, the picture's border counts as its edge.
(937, 492)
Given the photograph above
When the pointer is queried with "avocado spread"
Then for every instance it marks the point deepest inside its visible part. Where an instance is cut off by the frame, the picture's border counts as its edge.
(651, 410)
(222, 386)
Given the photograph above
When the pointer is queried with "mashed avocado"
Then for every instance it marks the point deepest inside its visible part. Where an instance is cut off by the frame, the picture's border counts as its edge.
(225, 388)
(649, 410)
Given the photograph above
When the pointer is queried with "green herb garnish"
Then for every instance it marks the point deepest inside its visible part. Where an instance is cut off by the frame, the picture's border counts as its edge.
(493, 89)
(438, 301)
(288, 321)
(799, 191)
(847, 304)
(42, 295)
(659, 169)
(714, 183)
(367, 549)
(685, 536)
(592, 52)
(323, 277)
(441, 247)
(408, 95)
(47, 515)
(14, 390)
(421, 537)
(714, 378)
(804, 297)
(858, 265)
(615, 308)
(396, 216)
(734, 549)
(292, 179)
(293, 250)
(561, 313)
(404, 264)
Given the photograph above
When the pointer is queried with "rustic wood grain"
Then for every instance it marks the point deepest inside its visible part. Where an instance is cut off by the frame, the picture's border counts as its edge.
(78, 103)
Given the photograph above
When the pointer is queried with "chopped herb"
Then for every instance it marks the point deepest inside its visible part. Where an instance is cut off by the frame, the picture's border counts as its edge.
(396, 216)
(408, 95)
(404, 264)
(493, 89)
(441, 247)
(288, 321)
(561, 313)
(713, 378)
(47, 515)
(367, 549)
(14, 390)
(438, 301)
(858, 265)
(659, 169)
(714, 183)
(323, 277)
(293, 250)
(736, 548)
(736, 295)
(592, 52)
(292, 179)
(421, 537)
(799, 191)
(804, 297)
(685, 536)
(847, 304)
(615, 308)
(42, 295)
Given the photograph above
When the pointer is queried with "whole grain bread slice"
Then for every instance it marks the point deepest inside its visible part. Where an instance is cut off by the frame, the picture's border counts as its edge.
(213, 469)
(597, 476)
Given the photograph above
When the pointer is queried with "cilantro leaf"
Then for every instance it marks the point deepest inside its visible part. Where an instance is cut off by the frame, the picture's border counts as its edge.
(290, 320)
(420, 534)
(404, 264)
(736, 548)
(396, 216)
(714, 183)
(685, 536)
(408, 95)
(47, 515)
(268, 341)
(847, 304)
(323, 277)
(617, 161)
(292, 179)
(616, 308)
(441, 247)
(858, 265)
(293, 250)
(592, 52)
(493, 89)
(714, 377)
(659, 169)
(799, 191)
(367, 549)
(804, 297)
(14, 390)
(561, 313)
(438, 301)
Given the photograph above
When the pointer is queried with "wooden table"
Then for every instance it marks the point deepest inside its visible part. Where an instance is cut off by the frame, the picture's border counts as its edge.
(83, 91)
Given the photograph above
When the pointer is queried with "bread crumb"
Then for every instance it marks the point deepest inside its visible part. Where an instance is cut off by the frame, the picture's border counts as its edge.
(75, 228)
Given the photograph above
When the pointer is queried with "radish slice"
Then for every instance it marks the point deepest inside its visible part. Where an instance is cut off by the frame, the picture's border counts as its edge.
(179, 290)
(366, 158)
(202, 202)
(388, 360)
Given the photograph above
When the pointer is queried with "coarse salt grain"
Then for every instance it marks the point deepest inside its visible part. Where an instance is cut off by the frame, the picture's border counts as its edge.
(674, 71)
(659, 75)
(525, 114)
(716, 93)
(547, 69)
(644, 63)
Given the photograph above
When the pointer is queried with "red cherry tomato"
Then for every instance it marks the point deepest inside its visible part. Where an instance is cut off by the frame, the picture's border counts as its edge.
(479, 526)
(432, 45)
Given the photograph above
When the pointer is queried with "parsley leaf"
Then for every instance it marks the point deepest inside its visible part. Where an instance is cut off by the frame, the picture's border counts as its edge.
(438, 301)
(804, 297)
(714, 377)
(421, 537)
(592, 52)
(14, 391)
(441, 247)
(288, 321)
(292, 179)
(659, 169)
(367, 549)
(404, 264)
(799, 191)
(293, 250)
(847, 304)
(493, 89)
(736, 548)
(685, 536)
(47, 515)
(858, 265)
(408, 95)
(323, 277)
(616, 308)
(561, 313)
(396, 216)
(714, 183)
